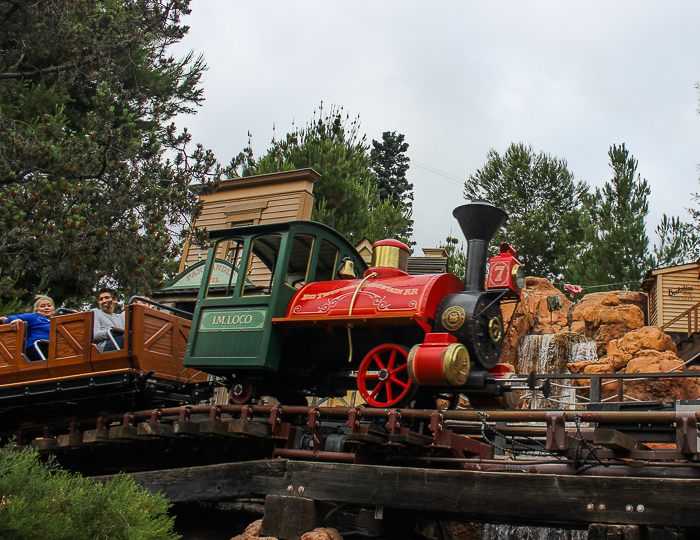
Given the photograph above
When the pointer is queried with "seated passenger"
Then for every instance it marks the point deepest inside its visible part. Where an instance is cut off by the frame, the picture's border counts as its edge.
(38, 326)
(107, 326)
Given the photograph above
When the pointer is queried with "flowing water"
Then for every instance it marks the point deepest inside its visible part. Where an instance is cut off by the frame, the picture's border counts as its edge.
(552, 353)
(516, 532)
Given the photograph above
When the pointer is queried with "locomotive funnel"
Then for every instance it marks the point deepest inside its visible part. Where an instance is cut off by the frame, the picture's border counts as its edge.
(480, 221)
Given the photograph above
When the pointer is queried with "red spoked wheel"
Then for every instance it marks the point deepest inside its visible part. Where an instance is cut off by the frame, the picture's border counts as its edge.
(383, 377)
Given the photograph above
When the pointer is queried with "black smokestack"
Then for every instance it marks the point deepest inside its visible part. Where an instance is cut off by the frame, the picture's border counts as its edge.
(480, 221)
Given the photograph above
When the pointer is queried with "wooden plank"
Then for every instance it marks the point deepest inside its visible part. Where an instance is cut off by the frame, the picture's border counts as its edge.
(244, 427)
(615, 440)
(209, 483)
(156, 430)
(543, 499)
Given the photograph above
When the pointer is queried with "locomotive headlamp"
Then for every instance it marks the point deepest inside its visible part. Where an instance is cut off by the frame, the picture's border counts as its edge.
(517, 277)
(505, 272)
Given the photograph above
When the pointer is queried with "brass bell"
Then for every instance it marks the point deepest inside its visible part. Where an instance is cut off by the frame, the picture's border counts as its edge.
(347, 271)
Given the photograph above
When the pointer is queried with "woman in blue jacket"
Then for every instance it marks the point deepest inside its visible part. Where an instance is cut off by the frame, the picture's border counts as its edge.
(38, 326)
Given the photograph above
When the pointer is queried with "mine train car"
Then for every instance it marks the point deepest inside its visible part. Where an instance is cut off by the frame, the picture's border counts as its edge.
(288, 310)
(301, 314)
(76, 380)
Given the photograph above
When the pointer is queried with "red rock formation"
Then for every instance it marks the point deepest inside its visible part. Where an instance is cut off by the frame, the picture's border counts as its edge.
(607, 316)
(252, 532)
(532, 316)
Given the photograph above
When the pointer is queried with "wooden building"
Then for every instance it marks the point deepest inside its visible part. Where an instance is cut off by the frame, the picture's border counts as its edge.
(674, 295)
(254, 200)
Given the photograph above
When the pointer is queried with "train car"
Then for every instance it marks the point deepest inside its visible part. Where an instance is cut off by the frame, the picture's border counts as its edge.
(316, 321)
(76, 380)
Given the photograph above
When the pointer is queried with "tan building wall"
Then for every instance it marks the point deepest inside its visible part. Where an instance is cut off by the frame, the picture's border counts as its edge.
(253, 200)
(672, 291)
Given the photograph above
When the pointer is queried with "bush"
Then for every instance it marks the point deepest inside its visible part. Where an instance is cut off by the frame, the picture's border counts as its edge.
(41, 500)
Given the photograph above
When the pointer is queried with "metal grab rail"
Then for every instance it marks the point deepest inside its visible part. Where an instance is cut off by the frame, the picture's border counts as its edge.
(687, 312)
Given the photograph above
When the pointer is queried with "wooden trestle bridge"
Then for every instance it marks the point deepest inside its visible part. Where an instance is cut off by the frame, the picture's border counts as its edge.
(627, 473)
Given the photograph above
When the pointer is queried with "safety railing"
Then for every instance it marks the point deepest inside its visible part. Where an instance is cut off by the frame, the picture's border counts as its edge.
(692, 313)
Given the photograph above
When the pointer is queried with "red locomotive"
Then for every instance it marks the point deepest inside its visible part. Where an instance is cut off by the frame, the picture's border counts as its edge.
(393, 336)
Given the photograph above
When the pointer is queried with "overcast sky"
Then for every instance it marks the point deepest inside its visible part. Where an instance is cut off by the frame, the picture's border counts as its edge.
(459, 78)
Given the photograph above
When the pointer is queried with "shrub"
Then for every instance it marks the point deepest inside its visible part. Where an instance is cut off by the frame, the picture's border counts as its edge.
(41, 500)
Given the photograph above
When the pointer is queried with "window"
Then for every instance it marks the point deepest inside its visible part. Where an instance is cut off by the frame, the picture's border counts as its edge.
(327, 262)
(261, 265)
(298, 266)
(224, 272)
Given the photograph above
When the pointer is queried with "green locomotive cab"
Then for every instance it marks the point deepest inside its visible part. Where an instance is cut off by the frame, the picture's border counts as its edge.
(251, 274)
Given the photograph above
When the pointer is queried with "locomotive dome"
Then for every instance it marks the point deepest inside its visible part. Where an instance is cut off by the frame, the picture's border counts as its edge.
(390, 254)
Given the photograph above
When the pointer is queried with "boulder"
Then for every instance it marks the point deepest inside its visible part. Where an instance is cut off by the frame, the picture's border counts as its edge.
(252, 532)
(608, 316)
(648, 338)
(607, 390)
(664, 390)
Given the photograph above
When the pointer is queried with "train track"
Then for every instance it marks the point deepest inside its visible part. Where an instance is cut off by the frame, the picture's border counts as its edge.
(655, 443)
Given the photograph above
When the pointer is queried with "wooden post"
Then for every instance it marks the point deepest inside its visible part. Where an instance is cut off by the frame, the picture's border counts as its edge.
(288, 518)
(596, 391)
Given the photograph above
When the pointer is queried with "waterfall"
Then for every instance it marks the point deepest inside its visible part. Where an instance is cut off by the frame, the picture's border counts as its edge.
(551, 353)
(516, 532)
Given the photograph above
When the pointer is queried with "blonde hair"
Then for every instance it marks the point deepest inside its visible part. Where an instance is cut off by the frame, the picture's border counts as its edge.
(39, 299)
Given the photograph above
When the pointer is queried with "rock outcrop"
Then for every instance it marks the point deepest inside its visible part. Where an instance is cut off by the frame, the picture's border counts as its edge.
(252, 532)
(531, 316)
(608, 316)
(601, 316)
(616, 321)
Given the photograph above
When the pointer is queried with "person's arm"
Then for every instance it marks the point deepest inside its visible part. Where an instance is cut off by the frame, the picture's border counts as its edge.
(13, 320)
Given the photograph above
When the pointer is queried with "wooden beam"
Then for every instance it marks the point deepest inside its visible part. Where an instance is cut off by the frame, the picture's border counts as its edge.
(615, 440)
(497, 497)
(208, 483)
(493, 497)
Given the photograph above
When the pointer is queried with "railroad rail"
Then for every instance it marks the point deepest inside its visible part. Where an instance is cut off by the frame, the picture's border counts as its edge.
(558, 468)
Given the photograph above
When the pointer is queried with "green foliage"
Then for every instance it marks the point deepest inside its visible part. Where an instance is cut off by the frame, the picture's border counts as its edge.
(390, 164)
(456, 256)
(41, 500)
(616, 244)
(346, 197)
(679, 242)
(94, 182)
(544, 204)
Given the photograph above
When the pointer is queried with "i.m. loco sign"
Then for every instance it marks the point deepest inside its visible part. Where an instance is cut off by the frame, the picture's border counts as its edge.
(232, 320)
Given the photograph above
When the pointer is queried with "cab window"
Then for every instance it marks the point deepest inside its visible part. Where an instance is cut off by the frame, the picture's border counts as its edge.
(327, 262)
(224, 272)
(298, 266)
(261, 265)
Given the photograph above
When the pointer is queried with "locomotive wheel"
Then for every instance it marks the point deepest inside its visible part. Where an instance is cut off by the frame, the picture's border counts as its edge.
(242, 391)
(383, 377)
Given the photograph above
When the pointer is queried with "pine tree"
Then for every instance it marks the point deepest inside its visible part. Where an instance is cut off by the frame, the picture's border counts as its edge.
(96, 183)
(390, 164)
(346, 197)
(544, 206)
(617, 244)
